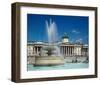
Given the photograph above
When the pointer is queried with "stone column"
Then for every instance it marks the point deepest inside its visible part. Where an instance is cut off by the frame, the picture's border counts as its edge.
(78, 51)
(72, 51)
(37, 50)
(40, 50)
(81, 51)
(62, 50)
(68, 50)
(33, 49)
(65, 50)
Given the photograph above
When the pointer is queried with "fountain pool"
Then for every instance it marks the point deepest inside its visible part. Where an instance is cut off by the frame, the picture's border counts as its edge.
(58, 67)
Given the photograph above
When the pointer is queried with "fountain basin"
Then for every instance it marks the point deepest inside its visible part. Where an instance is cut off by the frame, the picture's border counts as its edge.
(48, 60)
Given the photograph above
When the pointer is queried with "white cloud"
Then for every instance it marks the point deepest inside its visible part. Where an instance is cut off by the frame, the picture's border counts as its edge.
(75, 31)
(79, 40)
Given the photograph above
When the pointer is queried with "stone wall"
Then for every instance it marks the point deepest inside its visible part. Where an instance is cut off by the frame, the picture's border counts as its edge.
(53, 60)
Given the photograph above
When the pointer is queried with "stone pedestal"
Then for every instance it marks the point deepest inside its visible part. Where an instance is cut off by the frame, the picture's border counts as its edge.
(49, 60)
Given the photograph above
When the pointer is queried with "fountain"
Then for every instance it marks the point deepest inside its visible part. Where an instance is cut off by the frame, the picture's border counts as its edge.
(52, 51)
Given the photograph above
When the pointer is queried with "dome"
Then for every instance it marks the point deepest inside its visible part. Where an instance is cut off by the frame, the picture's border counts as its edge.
(65, 36)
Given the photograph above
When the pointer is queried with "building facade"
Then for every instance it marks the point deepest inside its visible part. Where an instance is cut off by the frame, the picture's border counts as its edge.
(67, 49)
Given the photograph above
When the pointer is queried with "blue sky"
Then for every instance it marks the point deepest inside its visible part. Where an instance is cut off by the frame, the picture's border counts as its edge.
(75, 26)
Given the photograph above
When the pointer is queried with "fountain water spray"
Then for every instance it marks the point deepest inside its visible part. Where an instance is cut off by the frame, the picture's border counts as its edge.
(52, 34)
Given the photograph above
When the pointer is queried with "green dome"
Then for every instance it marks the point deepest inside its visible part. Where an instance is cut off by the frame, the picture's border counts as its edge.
(65, 36)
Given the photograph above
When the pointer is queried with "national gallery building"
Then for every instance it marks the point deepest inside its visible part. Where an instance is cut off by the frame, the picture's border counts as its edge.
(67, 49)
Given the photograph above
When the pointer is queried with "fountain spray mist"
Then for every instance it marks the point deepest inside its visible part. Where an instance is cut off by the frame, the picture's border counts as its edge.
(52, 34)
